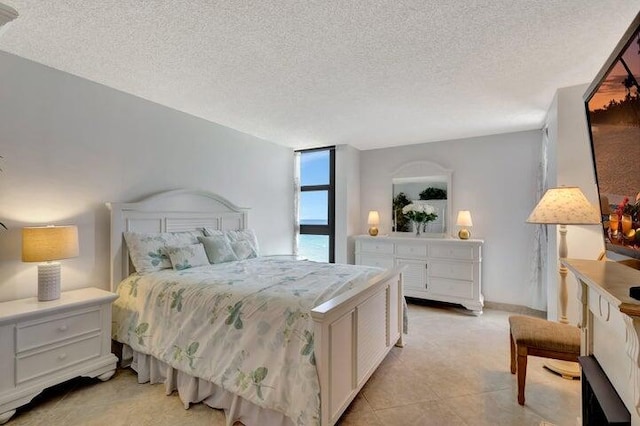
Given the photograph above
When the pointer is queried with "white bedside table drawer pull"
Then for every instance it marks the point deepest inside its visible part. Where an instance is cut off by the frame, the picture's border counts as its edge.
(38, 333)
(62, 356)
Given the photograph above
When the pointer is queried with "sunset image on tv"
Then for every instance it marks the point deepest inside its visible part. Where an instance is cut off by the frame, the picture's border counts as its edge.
(614, 116)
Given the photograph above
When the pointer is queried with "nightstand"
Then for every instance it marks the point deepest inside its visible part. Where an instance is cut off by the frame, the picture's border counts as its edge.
(46, 343)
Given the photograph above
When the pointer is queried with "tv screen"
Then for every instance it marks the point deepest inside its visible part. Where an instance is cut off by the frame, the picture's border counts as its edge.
(613, 110)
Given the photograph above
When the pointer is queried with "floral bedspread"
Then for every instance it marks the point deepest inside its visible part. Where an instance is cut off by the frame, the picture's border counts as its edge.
(245, 326)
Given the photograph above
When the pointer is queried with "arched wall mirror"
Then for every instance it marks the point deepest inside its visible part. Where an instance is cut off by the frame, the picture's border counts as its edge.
(422, 182)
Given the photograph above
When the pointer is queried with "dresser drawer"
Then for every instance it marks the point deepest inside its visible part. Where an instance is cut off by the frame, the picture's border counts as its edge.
(452, 270)
(377, 247)
(451, 288)
(377, 261)
(55, 329)
(411, 250)
(451, 251)
(47, 361)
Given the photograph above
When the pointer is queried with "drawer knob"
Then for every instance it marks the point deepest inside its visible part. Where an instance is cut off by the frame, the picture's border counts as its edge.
(63, 327)
(62, 356)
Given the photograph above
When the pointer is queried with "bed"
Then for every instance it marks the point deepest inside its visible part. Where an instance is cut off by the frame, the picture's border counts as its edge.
(346, 341)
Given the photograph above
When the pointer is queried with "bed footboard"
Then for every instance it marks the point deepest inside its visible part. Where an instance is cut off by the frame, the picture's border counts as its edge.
(353, 334)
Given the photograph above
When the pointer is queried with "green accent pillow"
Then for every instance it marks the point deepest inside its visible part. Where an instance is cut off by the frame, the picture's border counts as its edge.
(246, 235)
(186, 257)
(243, 249)
(218, 249)
(147, 249)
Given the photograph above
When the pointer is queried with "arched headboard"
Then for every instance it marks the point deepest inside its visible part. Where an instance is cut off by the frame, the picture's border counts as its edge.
(171, 211)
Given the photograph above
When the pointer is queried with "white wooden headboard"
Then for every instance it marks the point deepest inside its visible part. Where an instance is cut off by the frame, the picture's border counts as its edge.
(171, 211)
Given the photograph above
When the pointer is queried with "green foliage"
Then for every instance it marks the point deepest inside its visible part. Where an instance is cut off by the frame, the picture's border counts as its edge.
(402, 222)
(255, 378)
(433, 194)
(307, 349)
(157, 257)
(183, 266)
(133, 289)
(234, 316)
(189, 353)
(632, 209)
(176, 299)
(140, 330)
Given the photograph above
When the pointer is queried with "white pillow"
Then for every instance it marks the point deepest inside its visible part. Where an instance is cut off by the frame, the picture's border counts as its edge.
(218, 249)
(146, 249)
(211, 232)
(247, 235)
(243, 249)
(186, 257)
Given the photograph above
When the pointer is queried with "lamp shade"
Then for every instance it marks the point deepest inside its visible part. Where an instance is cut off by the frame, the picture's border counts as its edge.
(7, 14)
(464, 218)
(45, 243)
(566, 205)
(374, 218)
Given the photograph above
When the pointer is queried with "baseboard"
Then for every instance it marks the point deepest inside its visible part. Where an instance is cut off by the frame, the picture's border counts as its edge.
(518, 309)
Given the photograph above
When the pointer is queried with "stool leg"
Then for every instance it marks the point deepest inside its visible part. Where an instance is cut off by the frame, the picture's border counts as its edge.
(522, 372)
(512, 348)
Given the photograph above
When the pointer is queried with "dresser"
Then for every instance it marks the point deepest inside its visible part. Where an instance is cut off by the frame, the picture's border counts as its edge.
(442, 269)
(46, 343)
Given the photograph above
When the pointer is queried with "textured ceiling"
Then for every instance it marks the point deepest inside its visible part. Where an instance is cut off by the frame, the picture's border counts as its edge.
(369, 73)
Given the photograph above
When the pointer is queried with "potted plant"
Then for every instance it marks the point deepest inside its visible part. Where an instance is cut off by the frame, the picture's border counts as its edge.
(433, 194)
(419, 214)
(401, 221)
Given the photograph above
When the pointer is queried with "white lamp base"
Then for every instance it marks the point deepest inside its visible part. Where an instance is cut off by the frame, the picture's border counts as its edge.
(48, 281)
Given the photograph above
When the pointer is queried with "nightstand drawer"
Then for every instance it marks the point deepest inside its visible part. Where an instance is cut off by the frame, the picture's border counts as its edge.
(55, 329)
(50, 360)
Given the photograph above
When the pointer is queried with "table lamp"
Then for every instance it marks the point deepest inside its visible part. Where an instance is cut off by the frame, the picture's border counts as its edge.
(564, 206)
(7, 14)
(373, 221)
(46, 244)
(464, 221)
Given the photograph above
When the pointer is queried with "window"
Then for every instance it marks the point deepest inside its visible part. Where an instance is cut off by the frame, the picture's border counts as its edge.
(316, 211)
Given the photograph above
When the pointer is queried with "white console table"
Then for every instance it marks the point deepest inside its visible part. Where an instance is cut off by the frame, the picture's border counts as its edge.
(442, 269)
(610, 323)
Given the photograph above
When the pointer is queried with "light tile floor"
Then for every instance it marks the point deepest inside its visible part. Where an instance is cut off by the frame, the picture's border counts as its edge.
(453, 370)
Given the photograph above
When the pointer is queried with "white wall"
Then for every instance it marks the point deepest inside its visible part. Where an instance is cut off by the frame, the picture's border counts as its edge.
(574, 167)
(494, 177)
(552, 232)
(69, 145)
(347, 219)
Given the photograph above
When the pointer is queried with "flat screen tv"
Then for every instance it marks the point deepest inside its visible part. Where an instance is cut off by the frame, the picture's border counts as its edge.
(612, 104)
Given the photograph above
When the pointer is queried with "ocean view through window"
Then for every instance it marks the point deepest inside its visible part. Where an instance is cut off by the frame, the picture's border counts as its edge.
(316, 204)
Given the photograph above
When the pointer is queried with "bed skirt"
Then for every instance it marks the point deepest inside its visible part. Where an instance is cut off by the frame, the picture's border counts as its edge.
(194, 390)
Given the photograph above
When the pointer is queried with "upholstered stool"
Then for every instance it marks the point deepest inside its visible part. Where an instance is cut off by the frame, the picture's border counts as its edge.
(539, 337)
